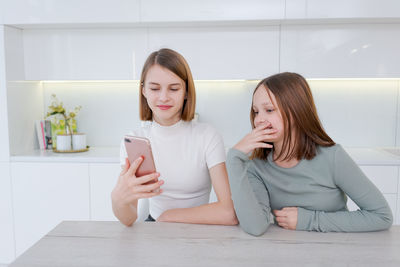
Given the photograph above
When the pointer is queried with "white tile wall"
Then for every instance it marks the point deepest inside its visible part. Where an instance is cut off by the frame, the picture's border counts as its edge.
(223, 52)
(341, 50)
(4, 151)
(358, 113)
(398, 117)
(226, 105)
(109, 109)
(25, 106)
(354, 112)
(84, 54)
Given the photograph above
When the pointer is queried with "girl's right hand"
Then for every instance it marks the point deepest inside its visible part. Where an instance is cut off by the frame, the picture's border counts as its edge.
(257, 138)
(130, 188)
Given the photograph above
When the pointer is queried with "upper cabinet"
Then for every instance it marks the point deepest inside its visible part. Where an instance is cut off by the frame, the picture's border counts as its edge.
(211, 10)
(342, 9)
(223, 52)
(84, 54)
(24, 12)
(341, 50)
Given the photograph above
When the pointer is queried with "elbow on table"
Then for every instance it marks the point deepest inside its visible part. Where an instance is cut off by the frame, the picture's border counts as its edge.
(255, 231)
(387, 221)
(229, 217)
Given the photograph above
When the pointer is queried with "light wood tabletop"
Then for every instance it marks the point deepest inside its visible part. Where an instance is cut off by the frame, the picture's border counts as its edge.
(81, 243)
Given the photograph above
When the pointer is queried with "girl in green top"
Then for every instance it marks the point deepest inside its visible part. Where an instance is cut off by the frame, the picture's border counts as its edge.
(296, 175)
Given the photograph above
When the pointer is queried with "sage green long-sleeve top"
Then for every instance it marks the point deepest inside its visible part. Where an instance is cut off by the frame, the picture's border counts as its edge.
(318, 187)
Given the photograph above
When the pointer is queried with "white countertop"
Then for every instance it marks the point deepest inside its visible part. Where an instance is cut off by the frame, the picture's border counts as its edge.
(362, 156)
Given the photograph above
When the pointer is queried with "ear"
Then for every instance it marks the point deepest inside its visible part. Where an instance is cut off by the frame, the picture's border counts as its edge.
(144, 92)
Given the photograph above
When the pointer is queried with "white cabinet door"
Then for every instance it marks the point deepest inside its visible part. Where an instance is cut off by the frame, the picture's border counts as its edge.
(70, 12)
(341, 50)
(384, 177)
(7, 248)
(223, 52)
(211, 10)
(103, 178)
(44, 194)
(329, 9)
(84, 54)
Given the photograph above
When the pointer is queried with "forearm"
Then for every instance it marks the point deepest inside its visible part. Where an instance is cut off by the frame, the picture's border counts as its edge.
(344, 221)
(126, 214)
(254, 213)
(213, 213)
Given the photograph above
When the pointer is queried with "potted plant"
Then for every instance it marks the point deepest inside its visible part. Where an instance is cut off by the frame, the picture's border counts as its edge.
(64, 126)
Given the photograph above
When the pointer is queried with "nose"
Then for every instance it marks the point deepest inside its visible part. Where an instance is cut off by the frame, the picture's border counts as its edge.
(258, 121)
(164, 95)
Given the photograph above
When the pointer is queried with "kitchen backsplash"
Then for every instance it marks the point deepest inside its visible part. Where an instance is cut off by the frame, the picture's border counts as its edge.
(355, 112)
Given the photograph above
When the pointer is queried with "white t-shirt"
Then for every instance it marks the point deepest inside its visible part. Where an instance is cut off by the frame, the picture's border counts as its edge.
(183, 154)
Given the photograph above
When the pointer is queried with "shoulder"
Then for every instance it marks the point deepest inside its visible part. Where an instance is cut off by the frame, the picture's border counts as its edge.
(202, 127)
(204, 130)
(329, 151)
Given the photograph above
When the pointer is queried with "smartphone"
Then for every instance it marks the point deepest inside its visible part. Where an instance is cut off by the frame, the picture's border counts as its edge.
(140, 146)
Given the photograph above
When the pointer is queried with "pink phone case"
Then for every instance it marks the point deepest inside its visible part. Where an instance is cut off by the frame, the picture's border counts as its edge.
(140, 146)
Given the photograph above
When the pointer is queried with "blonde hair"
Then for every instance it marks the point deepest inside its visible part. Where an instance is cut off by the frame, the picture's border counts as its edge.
(176, 63)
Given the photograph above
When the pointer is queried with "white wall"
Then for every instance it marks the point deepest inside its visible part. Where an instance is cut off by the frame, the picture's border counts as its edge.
(4, 151)
(356, 113)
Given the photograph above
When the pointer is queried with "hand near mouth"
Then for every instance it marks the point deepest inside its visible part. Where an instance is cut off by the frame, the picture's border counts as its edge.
(259, 137)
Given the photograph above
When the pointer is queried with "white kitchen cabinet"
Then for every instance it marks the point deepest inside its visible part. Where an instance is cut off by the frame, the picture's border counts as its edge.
(30, 12)
(341, 50)
(223, 52)
(7, 248)
(329, 9)
(398, 211)
(103, 178)
(210, 10)
(84, 54)
(384, 177)
(44, 194)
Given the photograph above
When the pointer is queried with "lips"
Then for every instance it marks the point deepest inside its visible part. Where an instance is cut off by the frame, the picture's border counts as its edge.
(164, 107)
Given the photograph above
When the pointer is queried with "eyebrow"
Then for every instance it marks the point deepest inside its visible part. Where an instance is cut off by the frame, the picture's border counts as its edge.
(168, 84)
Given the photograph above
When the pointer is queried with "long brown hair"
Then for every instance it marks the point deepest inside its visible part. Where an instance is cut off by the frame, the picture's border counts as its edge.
(175, 62)
(299, 114)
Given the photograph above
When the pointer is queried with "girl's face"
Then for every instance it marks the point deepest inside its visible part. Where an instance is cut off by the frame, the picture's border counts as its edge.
(266, 112)
(165, 93)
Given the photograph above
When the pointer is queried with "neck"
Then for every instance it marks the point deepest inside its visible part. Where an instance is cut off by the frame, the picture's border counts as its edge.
(166, 122)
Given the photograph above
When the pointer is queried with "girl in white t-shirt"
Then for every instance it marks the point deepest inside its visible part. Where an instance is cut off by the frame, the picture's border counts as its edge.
(189, 156)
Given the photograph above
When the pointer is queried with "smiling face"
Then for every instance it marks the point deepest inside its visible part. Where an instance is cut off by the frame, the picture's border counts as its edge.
(165, 93)
(266, 111)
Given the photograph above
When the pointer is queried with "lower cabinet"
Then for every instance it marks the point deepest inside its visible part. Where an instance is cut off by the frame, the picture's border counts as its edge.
(44, 194)
(103, 178)
(7, 248)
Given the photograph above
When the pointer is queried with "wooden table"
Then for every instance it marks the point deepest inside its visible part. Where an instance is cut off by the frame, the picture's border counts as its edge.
(77, 243)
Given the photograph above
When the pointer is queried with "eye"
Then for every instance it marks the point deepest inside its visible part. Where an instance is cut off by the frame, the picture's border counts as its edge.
(269, 110)
(175, 89)
(255, 112)
(154, 89)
